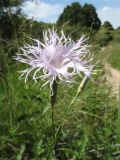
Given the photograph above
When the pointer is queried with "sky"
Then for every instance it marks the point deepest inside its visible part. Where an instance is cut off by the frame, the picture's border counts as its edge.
(49, 10)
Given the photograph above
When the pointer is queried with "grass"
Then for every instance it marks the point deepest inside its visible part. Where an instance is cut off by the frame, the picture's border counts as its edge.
(25, 121)
(109, 53)
(114, 57)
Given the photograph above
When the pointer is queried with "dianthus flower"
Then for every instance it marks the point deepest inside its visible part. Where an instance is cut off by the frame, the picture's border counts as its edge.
(58, 57)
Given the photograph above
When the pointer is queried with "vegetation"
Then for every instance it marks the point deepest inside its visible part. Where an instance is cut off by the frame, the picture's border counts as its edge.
(103, 36)
(114, 57)
(75, 14)
(91, 128)
(108, 25)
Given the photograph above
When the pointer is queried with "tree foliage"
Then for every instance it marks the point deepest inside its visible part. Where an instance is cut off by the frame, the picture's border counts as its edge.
(81, 15)
(9, 13)
(9, 3)
(71, 14)
(108, 25)
(90, 17)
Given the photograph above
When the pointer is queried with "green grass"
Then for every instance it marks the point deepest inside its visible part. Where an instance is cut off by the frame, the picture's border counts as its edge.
(109, 53)
(114, 57)
(25, 121)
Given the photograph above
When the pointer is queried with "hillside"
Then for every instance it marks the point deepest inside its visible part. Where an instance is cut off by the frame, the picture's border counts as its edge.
(109, 55)
(33, 129)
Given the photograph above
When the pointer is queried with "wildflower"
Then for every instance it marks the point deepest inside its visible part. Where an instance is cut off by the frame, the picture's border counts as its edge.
(59, 57)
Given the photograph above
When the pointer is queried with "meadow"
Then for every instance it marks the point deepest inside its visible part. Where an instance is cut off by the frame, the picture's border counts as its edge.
(88, 129)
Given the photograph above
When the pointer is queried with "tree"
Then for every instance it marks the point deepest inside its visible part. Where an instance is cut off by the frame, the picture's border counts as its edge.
(75, 14)
(71, 14)
(118, 28)
(9, 3)
(90, 16)
(108, 25)
(8, 17)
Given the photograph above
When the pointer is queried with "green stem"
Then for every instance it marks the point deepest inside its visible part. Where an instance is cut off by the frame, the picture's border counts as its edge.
(80, 89)
(53, 123)
(53, 100)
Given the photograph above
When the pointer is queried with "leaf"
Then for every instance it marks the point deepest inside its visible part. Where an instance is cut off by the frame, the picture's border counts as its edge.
(82, 149)
(22, 149)
(45, 110)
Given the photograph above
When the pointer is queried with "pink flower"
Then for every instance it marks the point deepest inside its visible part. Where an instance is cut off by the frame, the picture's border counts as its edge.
(58, 57)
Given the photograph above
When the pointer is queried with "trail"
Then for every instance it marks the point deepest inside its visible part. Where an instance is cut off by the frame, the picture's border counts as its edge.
(112, 76)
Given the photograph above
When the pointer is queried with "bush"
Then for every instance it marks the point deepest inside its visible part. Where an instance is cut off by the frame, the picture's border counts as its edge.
(103, 37)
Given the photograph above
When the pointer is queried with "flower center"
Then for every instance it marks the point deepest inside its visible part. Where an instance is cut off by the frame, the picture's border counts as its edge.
(54, 55)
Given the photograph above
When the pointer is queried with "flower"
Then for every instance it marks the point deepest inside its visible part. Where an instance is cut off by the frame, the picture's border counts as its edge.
(59, 57)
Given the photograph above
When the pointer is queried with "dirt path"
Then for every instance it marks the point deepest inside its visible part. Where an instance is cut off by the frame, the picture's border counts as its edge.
(113, 78)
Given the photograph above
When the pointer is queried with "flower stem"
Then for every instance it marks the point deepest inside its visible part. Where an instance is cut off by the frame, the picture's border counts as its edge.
(53, 100)
(53, 123)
